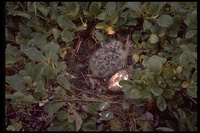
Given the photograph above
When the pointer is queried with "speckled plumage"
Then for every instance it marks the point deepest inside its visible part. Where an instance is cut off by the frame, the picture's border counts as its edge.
(108, 59)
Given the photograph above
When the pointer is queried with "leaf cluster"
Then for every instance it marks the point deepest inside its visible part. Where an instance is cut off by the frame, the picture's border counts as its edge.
(39, 34)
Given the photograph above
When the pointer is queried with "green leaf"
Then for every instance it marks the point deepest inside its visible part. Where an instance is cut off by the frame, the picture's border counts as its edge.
(146, 93)
(15, 126)
(56, 106)
(147, 127)
(182, 121)
(61, 66)
(155, 64)
(50, 52)
(113, 18)
(48, 109)
(110, 8)
(179, 69)
(91, 108)
(191, 20)
(132, 23)
(160, 6)
(136, 36)
(170, 124)
(190, 34)
(52, 108)
(168, 93)
(100, 36)
(28, 99)
(153, 38)
(84, 5)
(39, 40)
(62, 115)
(40, 95)
(65, 23)
(88, 15)
(177, 100)
(56, 33)
(192, 91)
(194, 118)
(10, 128)
(56, 126)
(70, 127)
(121, 21)
(78, 120)
(194, 77)
(147, 25)
(11, 54)
(188, 48)
(102, 15)
(125, 105)
(35, 55)
(16, 82)
(18, 96)
(174, 28)
(167, 72)
(132, 15)
(137, 73)
(81, 27)
(157, 91)
(106, 115)
(126, 85)
(149, 78)
(60, 93)
(25, 31)
(95, 8)
(8, 96)
(71, 118)
(165, 20)
(161, 103)
(104, 106)
(51, 48)
(62, 80)
(27, 79)
(42, 9)
(83, 115)
(135, 94)
(34, 70)
(19, 13)
(40, 86)
(177, 8)
(89, 125)
(54, 10)
(67, 36)
(165, 129)
(184, 59)
(153, 8)
(72, 8)
(133, 5)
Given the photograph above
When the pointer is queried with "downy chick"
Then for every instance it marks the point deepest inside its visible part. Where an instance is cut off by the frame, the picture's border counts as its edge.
(108, 59)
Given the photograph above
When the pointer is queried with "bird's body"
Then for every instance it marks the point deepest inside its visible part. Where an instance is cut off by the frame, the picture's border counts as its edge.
(108, 59)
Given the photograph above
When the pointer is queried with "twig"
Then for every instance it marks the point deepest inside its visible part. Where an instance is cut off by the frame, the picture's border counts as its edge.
(78, 45)
(50, 120)
(127, 50)
(69, 99)
(87, 92)
(23, 111)
(190, 98)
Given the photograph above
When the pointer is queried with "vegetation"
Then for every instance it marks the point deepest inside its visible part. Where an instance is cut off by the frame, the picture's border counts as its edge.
(47, 41)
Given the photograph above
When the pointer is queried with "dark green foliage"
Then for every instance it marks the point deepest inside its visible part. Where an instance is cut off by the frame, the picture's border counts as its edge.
(37, 33)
